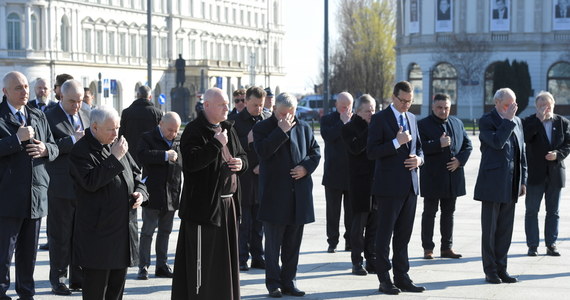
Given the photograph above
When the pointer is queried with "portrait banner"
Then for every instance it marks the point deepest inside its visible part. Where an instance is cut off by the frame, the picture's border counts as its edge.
(414, 17)
(444, 16)
(561, 15)
(500, 15)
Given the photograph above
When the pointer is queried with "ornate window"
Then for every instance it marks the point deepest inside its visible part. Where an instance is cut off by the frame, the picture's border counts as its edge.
(35, 33)
(415, 77)
(65, 34)
(489, 93)
(14, 32)
(444, 81)
(558, 81)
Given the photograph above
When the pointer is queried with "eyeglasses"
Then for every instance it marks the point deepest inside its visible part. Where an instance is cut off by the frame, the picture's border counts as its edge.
(405, 101)
(238, 100)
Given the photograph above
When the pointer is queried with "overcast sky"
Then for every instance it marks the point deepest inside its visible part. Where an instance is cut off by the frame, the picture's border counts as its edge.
(303, 45)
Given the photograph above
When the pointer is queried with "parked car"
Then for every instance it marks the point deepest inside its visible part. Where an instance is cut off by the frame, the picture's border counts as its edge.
(315, 103)
(307, 113)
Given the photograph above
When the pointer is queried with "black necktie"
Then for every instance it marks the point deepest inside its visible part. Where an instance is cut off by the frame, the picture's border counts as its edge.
(20, 118)
(403, 123)
(41, 105)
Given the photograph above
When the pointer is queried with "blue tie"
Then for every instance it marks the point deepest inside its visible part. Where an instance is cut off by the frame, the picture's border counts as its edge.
(403, 123)
(20, 118)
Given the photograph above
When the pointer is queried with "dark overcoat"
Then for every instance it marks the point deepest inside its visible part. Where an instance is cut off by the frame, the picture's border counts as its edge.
(163, 177)
(435, 180)
(60, 181)
(243, 123)
(336, 158)
(391, 177)
(23, 180)
(202, 163)
(360, 168)
(103, 184)
(282, 199)
(141, 116)
(495, 178)
(537, 146)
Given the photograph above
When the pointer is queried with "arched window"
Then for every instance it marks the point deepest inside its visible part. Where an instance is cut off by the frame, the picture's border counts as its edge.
(65, 34)
(275, 54)
(35, 33)
(558, 81)
(489, 93)
(276, 13)
(14, 32)
(416, 79)
(444, 81)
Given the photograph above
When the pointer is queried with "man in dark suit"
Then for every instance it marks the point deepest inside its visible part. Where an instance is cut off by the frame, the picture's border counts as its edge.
(59, 81)
(443, 10)
(501, 180)
(394, 142)
(547, 137)
(67, 123)
(360, 173)
(288, 155)
(42, 93)
(207, 265)
(334, 176)
(501, 10)
(250, 228)
(159, 153)
(239, 102)
(446, 148)
(108, 186)
(141, 116)
(269, 100)
(562, 9)
(26, 146)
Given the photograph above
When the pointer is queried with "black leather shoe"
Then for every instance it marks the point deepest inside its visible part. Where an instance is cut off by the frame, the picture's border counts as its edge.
(387, 287)
(293, 292)
(552, 251)
(44, 246)
(164, 272)
(258, 264)
(331, 249)
(243, 267)
(75, 286)
(359, 270)
(142, 274)
(493, 278)
(507, 278)
(449, 253)
(409, 286)
(275, 293)
(532, 251)
(60, 289)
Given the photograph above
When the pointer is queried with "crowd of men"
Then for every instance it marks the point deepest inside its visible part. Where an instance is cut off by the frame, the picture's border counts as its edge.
(243, 177)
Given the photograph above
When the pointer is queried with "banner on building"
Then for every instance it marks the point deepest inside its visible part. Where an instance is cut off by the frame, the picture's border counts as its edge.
(561, 15)
(414, 17)
(500, 15)
(443, 16)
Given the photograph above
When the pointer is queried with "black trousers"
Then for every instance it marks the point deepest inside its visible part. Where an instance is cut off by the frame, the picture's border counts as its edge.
(395, 217)
(497, 232)
(61, 219)
(445, 222)
(334, 201)
(19, 235)
(103, 284)
(250, 234)
(284, 240)
(363, 235)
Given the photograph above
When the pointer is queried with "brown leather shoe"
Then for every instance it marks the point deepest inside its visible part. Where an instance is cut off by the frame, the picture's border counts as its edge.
(448, 253)
(428, 254)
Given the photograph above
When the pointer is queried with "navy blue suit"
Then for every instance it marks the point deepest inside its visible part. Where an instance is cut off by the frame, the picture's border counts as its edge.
(395, 188)
(285, 204)
(502, 172)
(335, 179)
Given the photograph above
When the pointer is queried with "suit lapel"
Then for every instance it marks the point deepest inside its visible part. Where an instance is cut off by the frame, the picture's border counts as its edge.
(64, 119)
(293, 138)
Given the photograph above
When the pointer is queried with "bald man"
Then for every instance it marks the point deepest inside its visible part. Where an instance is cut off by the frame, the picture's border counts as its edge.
(159, 154)
(42, 91)
(207, 265)
(335, 178)
(67, 123)
(26, 146)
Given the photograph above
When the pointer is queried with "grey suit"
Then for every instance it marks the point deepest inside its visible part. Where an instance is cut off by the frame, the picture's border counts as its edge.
(62, 201)
(502, 172)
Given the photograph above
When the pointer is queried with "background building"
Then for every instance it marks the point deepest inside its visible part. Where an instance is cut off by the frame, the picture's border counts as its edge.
(229, 44)
(535, 31)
